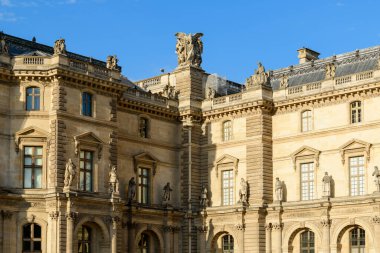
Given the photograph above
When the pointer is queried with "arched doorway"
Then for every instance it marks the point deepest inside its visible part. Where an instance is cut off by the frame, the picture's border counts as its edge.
(148, 242)
(89, 238)
(353, 239)
(223, 242)
(302, 240)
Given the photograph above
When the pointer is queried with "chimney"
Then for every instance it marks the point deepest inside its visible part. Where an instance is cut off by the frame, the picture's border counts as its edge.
(306, 55)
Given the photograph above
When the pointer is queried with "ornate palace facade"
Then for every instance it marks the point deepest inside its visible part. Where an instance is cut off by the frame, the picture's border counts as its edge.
(187, 161)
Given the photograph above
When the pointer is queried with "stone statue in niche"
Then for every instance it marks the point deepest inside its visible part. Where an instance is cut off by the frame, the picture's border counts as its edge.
(167, 192)
(3, 46)
(259, 78)
(59, 47)
(189, 49)
(330, 70)
(204, 199)
(113, 180)
(376, 174)
(279, 190)
(131, 190)
(326, 180)
(70, 172)
(112, 62)
(243, 192)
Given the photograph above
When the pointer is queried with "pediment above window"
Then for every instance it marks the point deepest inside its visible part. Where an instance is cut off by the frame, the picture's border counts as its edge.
(306, 153)
(147, 160)
(227, 161)
(88, 139)
(30, 133)
(355, 146)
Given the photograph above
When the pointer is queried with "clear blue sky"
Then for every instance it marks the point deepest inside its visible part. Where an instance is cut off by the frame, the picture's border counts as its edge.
(237, 33)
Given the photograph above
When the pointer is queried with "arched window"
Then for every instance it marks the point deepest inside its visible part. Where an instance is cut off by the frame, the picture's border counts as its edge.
(356, 112)
(84, 239)
(31, 238)
(87, 104)
(227, 130)
(307, 121)
(357, 240)
(144, 244)
(32, 99)
(228, 244)
(143, 127)
(307, 242)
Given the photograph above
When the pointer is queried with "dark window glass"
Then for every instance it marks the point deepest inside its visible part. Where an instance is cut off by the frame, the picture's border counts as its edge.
(228, 244)
(87, 104)
(356, 112)
(31, 240)
(143, 185)
(86, 168)
(84, 240)
(32, 167)
(307, 242)
(144, 244)
(32, 99)
(357, 240)
(143, 128)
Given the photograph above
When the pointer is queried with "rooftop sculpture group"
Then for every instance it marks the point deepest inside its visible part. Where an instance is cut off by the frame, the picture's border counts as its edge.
(189, 49)
(259, 78)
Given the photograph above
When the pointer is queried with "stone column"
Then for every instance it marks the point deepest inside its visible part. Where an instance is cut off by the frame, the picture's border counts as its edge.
(70, 218)
(53, 234)
(325, 235)
(131, 237)
(1, 230)
(202, 231)
(176, 239)
(114, 222)
(7, 225)
(167, 235)
(277, 238)
(376, 225)
(241, 228)
(268, 238)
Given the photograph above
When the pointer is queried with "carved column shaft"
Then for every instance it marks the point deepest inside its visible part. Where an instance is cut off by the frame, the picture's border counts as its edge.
(202, 231)
(277, 238)
(325, 235)
(131, 237)
(114, 221)
(7, 225)
(167, 234)
(376, 224)
(70, 218)
(52, 236)
(176, 240)
(268, 238)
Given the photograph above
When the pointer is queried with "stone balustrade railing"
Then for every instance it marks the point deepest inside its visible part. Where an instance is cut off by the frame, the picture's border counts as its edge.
(149, 82)
(150, 97)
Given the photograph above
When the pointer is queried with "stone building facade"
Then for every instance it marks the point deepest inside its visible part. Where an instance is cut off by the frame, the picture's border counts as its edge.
(187, 161)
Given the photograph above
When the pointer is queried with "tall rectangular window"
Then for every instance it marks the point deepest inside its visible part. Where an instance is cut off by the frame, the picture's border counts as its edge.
(143, 127)
(356, 112)
(32, 167)
(87, 104)
(32, 99)
(306, 121)
(227, 130)
(144, 186)
(307, 181)
(357, 175)
(228, 187)
(86, 170)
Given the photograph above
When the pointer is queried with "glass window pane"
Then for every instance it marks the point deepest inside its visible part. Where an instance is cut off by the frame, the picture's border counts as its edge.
(36, 103)
(37, 231)
(38, 161)
(81, 180)
(37, 245)
(27, 231)
(28, 150)
(82, 154)
(28, 161)
(88, 166)
(27, 178)
(89, 155)
(26, 245)
(38, 150)
(88, 181)
(37, 178)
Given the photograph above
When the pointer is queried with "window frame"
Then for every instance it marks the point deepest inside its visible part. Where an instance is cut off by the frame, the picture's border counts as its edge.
(360, 238)
(309, 120)
(310, 182)
(141, 187)
(86, 171)
(84, 241)
(32, 238)
(362, 186)
(231, 179)
(146, 128)
(230, 242)
(33, 167)
(33, 97)
(84, 104)
(229, 135)
(308, 248)
(358, 118)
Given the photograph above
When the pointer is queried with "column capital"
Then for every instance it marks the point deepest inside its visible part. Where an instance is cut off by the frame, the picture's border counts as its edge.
(203, 229)
(54, 215)
(71, 216)
(240, 227)
(167, 228)
(7, 214)
(325, 222)
(375, 220)
(277, 226)
(268, 227)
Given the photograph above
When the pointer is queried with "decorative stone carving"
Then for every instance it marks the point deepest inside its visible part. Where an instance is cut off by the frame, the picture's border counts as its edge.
(113, 180)
(54, 215)
(243, 192)
(259, 78)
(284, 81)
(204, 198)
(189, 49)
(210, 93)
(279, 190)
(4, 46)
(326, 180)
(330, 70)
(166, 193)
(306, 152)
(227, 160)
(170, 92)
(71, 216)
(376, 174)
(131, 190)
(59, 47)
(356, 145)
(325, 222)
(277, 226)
(375, 219)
(203, 229)
(112, 62)
(88, 139)
(240, 227)
(70, 173)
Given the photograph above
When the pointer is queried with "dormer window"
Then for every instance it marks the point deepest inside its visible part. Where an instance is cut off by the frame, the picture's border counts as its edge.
(32, 99)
